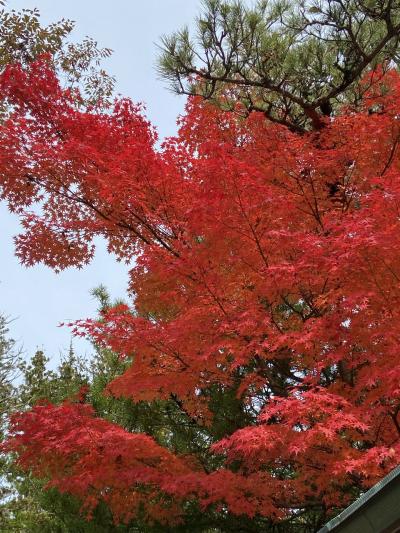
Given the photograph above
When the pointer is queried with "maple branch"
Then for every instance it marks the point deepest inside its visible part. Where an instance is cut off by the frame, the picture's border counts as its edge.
(213, 295)
(155, 234)
(255, 236)
(393, 416)
(70, 195)
(314, 212)
(391, 156)
(194, 420)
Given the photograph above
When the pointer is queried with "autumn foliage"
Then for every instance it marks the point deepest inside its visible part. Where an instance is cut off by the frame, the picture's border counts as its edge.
(267, 267)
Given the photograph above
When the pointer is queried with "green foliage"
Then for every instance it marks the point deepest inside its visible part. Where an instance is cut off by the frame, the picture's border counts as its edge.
(37, 510)
(40, 383)
(25, 505)
(23, 38)
(295, 61)
(10, 360)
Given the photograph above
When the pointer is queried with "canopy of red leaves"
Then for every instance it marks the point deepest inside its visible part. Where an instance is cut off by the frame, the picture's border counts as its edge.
(266, 261)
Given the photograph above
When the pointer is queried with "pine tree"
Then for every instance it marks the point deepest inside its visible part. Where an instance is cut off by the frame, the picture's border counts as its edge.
(296, 62)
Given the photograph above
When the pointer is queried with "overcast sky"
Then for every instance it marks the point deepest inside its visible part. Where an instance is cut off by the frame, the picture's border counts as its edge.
(37, 299)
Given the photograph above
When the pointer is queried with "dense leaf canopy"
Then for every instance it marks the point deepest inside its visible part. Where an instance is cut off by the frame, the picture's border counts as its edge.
(265, 289)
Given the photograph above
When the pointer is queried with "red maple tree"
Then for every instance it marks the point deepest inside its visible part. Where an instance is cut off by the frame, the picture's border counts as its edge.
(267, 264)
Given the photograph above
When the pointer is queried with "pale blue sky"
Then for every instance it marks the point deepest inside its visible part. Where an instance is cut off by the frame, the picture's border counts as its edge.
(37, 298)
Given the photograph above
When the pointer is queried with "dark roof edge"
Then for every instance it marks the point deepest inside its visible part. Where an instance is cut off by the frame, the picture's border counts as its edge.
(361, 502)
